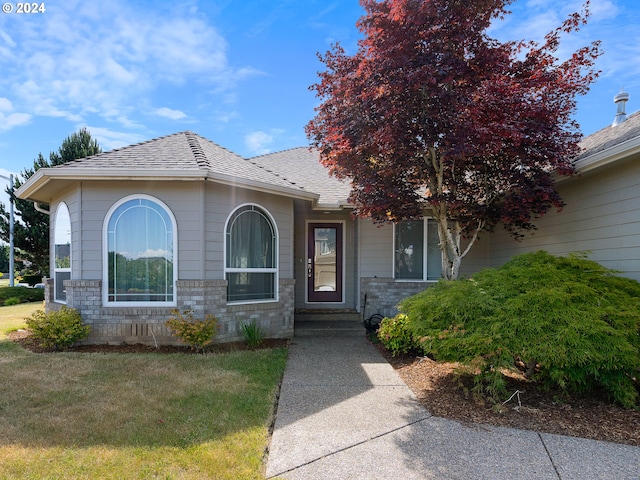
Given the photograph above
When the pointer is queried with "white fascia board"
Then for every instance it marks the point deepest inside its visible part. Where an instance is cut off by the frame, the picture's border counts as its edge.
(610, 155)
(44, 176)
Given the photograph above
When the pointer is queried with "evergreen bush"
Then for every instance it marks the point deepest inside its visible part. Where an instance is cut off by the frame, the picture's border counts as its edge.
(25, 294)
(572, 323)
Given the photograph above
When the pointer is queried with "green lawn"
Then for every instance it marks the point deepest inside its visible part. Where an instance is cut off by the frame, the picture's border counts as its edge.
(147, 416)
(12, 318)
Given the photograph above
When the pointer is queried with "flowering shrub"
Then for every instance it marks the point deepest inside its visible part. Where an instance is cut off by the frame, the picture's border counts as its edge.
(195, 333)
(57, 329)
(395, 336)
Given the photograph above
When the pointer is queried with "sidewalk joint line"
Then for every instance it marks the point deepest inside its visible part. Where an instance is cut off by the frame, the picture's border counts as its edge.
(553, 464)
(344, 449)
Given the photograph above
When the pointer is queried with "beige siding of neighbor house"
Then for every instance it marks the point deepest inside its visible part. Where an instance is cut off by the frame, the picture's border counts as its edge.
(600, 217)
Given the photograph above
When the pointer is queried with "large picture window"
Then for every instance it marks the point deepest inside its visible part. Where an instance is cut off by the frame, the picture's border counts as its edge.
(61, 252)
(417, 251)
(140, 258)
(251, 245)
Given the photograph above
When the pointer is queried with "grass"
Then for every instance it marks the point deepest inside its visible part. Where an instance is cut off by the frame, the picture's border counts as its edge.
(145, 416)
(12, 318)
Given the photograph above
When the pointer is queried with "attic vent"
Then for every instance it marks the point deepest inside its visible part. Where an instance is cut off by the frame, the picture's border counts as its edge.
(620, 100)
(197, 151)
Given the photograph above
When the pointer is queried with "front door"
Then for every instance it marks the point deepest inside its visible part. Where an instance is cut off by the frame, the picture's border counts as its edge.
(324, 262)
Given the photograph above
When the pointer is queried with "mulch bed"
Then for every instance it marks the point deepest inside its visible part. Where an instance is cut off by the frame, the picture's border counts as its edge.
(24, 338)
(445, 394)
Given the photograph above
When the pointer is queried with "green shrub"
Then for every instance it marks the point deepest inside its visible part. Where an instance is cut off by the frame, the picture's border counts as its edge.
(23, 293)
(253, 334)
(574, 323)
(195, 333)
(12, 301)
(396, 337)
(59, 329)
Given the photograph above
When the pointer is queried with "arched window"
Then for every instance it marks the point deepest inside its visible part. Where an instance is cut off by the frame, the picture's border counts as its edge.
(141, 265)
(61, 252)
(251, 246)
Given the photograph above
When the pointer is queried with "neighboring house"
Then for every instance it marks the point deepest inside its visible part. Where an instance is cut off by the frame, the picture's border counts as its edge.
(181, 223)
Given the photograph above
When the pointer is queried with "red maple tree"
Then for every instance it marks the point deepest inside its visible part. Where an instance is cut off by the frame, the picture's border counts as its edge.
(432, 117)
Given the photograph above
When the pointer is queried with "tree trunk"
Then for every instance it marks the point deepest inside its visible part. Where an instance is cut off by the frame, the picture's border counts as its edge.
(450, 235)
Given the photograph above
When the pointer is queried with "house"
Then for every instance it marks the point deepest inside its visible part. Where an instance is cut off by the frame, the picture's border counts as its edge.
(180, 222)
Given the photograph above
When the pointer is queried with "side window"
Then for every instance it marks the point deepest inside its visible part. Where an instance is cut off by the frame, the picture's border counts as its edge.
(251, 246)
(61, 252)
(416, 251)
(140, 255)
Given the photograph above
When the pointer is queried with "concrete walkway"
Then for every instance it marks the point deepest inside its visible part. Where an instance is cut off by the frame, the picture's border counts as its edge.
(344, 414)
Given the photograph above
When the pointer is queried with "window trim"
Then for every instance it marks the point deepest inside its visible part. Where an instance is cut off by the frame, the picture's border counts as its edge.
(276, 261)
(105, 254)
(425, 238)
(56, 269)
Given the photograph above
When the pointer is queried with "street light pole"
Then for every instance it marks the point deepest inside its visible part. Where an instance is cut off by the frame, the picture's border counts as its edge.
(11, 252)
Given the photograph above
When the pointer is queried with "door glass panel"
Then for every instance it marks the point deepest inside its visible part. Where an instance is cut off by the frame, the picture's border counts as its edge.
(324, 259)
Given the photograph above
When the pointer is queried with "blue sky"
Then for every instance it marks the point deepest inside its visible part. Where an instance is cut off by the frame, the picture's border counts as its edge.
(236, 72)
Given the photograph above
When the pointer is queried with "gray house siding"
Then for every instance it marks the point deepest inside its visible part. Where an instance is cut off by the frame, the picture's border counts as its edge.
(601, 217)
(221, 201)
(201, 210)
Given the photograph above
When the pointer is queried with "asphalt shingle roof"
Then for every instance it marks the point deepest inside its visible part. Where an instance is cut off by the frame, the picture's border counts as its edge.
(302, 166)
(180, 152)
(610, 136)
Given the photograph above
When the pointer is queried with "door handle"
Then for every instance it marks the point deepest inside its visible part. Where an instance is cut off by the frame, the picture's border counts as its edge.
(309, 268)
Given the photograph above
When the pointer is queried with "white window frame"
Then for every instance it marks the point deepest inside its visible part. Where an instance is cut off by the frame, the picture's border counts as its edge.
(57, 269)
(275, 270)
(425, 239)
(105, 254)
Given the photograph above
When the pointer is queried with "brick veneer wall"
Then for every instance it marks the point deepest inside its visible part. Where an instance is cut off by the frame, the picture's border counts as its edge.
(115, 325)
(383, 294)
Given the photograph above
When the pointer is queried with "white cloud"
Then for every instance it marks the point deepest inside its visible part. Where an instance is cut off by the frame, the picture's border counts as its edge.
(10, 119)
(107, 58)
(169, 113)
(258, 142)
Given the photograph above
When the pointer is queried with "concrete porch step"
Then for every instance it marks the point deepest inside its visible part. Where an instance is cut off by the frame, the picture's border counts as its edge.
(328, 323)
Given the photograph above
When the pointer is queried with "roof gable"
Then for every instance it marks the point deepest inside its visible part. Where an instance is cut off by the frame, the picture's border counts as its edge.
(180, 156)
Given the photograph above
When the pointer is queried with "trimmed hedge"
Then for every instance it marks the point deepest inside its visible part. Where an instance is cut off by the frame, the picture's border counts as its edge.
(23, 293)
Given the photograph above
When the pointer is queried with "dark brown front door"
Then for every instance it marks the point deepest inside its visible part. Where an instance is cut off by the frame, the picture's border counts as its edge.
(324, 262)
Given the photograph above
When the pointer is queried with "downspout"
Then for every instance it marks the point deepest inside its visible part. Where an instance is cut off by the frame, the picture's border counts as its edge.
(40, 209)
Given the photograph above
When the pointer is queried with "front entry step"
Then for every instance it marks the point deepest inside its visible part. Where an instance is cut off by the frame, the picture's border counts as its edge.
(324, 323)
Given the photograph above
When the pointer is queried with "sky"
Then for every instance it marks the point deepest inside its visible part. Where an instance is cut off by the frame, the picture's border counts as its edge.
(236, 72)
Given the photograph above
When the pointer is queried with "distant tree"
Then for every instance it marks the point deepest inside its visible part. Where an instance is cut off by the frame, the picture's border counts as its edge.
(4, 258)
(433, 117)
(31, 228)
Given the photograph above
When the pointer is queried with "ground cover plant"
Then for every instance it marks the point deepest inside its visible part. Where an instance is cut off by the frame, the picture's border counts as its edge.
(72, 415)
(568, 323)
